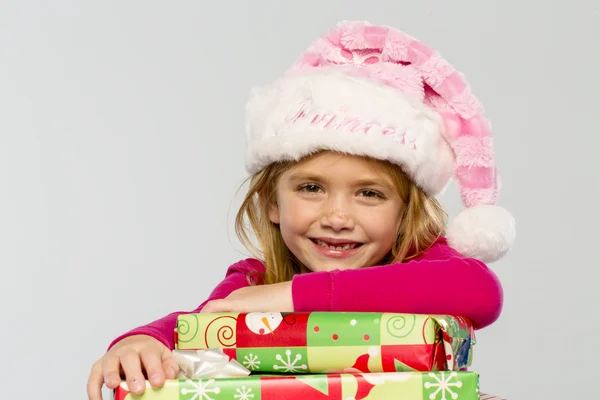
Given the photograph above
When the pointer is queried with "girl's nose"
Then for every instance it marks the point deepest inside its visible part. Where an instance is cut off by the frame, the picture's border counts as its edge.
(337, 220)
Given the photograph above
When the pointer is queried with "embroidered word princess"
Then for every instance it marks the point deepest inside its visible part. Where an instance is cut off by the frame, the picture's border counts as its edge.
(310, 115)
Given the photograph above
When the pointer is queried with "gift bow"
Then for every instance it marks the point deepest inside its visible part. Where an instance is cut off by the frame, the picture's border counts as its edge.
(204, 364)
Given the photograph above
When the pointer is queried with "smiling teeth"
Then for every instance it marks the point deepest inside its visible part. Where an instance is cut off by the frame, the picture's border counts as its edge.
(344, 247)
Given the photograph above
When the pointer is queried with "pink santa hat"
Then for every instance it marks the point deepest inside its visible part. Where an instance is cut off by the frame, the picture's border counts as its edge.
(375, 91)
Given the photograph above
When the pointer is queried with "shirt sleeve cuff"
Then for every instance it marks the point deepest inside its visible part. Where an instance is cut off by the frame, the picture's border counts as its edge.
(313, 291)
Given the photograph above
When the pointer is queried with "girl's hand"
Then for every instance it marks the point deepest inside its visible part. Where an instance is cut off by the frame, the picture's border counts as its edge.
(262, 298)
(131, 356)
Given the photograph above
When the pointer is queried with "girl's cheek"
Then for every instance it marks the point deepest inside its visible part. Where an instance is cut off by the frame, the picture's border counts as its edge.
(382, 225)
(302, 208)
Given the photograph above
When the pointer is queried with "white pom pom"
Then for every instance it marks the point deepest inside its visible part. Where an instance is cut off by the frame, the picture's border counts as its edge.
(482, 232)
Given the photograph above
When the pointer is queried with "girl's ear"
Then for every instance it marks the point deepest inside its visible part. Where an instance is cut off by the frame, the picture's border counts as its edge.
(272, 207)
(274, 212)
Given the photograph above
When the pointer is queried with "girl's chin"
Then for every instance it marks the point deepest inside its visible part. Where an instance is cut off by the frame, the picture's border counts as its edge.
(327, 266)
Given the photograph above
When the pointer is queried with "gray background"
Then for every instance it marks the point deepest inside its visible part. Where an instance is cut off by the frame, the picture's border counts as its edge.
(121, 148)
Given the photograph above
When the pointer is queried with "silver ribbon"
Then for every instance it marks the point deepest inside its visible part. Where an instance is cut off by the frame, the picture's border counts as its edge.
(205, 364)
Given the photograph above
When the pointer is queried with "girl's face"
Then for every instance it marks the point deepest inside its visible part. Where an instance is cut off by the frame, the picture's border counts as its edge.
(337, 212)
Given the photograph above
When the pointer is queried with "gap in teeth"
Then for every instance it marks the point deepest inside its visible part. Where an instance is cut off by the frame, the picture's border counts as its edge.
(344, 247)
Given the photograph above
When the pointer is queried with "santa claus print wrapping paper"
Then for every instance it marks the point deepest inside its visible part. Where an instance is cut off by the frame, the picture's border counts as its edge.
(330, 342)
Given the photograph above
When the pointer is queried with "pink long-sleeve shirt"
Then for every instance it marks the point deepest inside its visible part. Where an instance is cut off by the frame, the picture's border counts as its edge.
(440, 281)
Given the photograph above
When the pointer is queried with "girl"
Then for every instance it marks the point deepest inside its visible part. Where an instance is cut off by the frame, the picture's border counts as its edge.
(346, 152)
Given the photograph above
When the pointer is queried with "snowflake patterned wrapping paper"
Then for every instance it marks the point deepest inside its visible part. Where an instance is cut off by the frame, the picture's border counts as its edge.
(329, 342)
(449, 385)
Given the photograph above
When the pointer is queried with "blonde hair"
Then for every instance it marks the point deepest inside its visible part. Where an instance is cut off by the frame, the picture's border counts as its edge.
(422, 222)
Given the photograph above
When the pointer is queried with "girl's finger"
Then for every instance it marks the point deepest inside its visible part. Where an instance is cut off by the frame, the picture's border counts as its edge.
(169, 365)
(216, 306)
(132, 366)
(94, 384)
(151, 360)
(207, 307)
(111, 371)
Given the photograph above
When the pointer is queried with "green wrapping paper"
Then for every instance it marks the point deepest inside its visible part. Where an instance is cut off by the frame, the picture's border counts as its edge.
(330, 342)
(374, 386)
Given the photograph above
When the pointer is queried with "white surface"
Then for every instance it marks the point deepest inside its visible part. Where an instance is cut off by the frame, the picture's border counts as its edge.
(121, 147)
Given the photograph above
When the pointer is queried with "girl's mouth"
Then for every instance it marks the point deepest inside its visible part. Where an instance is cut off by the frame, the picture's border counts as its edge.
(330, 246)
(336, 248)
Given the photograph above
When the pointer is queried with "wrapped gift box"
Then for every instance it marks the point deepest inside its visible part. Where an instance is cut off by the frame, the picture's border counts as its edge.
(326, 342)
(372, 386)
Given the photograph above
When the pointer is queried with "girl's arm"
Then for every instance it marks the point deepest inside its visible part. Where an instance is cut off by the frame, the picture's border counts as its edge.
(162, 329)
(440, 282)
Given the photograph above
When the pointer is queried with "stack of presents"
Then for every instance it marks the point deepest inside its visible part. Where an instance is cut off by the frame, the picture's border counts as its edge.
(318, 356)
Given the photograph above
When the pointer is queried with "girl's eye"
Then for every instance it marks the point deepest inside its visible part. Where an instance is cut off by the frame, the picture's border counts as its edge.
(310, 188)
(372, 194)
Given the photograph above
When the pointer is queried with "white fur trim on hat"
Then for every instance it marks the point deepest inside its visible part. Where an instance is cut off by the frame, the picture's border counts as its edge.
(329, 110)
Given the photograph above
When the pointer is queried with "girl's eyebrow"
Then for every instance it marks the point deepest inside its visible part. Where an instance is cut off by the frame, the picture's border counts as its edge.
(373, 182)
(306, 176)
(316, 177)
